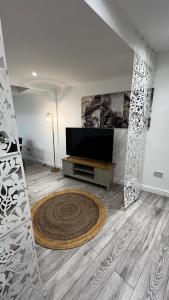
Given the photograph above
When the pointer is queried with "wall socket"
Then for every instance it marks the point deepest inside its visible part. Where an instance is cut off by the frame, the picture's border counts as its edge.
(158, 174)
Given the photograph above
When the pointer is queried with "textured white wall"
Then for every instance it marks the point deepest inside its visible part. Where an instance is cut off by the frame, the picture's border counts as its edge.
(157, 142)
(31, 108)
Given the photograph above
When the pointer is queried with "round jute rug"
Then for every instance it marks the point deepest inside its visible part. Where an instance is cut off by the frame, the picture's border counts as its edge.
(67, 219)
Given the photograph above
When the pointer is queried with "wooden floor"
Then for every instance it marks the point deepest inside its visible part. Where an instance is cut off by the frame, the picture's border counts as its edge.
(128, 259)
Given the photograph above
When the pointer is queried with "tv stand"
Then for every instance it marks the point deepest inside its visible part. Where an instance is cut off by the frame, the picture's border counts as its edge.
(93, 171)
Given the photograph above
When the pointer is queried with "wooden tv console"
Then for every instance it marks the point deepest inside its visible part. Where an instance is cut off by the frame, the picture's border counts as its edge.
(94, 171)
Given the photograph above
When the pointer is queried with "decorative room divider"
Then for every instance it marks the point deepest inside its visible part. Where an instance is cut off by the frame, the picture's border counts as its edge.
(19, 274)
(144, 61)
(143, 66)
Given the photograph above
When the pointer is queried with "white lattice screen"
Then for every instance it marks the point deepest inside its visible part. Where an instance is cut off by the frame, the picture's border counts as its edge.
(19, 274)
(143, 67)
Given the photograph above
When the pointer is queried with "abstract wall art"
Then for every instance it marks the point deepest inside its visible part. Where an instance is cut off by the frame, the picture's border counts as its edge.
(108, 110)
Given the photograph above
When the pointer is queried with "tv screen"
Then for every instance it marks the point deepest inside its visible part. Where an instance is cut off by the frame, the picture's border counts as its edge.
(94, 143)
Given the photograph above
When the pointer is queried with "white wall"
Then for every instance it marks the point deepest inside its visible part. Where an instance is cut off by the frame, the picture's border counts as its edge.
(69, 114)
(157, 142)
(31, 108)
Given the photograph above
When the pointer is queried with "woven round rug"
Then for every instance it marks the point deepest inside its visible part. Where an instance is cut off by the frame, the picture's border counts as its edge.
(67, 219)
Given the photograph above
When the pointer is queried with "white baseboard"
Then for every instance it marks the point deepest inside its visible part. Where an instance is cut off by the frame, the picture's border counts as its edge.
(118, 181)
(43, 162)
(146, 188)
(154, 190)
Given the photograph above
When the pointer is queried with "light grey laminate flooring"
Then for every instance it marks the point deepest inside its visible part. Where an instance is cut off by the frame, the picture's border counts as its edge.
(128, 259)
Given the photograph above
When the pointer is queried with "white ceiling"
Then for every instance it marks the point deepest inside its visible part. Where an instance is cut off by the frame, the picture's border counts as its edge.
(65, 42)
(151, 18)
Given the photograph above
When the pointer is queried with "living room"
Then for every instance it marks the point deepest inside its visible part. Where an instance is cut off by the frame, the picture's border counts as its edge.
(88, 206)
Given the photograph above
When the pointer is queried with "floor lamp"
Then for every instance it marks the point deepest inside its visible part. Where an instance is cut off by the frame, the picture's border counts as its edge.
(50, 117)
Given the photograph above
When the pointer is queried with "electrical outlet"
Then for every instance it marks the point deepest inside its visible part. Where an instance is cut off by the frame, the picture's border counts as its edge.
(158, 174)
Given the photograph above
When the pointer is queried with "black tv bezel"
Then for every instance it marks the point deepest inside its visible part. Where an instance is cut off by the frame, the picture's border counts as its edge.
(87, 157)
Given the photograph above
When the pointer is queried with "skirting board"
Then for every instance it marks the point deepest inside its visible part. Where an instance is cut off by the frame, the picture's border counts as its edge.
(146, 188)
(154, 190)
(118, 181)
(43, 162)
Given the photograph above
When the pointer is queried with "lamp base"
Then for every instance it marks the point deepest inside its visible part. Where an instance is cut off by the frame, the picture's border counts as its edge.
(54, 169)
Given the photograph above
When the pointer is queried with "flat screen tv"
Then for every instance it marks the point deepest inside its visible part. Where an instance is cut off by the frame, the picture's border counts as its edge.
(94, 143)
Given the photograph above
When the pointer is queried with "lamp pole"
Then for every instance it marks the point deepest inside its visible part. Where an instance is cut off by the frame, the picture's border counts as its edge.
(50, 117)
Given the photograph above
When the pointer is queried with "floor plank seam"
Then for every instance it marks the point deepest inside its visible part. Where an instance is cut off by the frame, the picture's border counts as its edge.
(147, 257)
(57, 271)
(149, 253)
(113, 269)
(103, 287)
(123, 279)
(166, 291)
